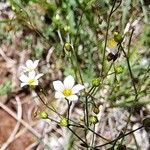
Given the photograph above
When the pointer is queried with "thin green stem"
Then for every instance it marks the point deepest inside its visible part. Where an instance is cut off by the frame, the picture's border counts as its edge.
(86, 99)
(120, 137)
(78, 126)
(47, 105)
(106, 37)
(130, 72)
(132, 79)
(53, 120)
(78, 137)
(93, 137)
(97, 89)
(130, 39)
(74, 68)
(99, 135)
(68, 111)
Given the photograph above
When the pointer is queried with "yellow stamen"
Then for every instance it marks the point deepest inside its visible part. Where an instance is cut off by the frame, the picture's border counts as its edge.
(31, 82)
(67, 92)
(112, 43)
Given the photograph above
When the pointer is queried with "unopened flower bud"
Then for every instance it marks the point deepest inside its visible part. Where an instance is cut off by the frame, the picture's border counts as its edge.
(44, 115)
(93, 119)
(96, 82)
(95, 110)
(68, 47)
(118, 37)
(118, 69)
(57, 16)
(67, 29)
(63, 122)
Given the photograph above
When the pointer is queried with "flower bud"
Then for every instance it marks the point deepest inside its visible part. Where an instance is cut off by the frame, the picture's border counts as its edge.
(44, 115)
(57, 17)
(68, 47)
(118, 69)
(96, 82)
(63, 122)
(67, 29)
(118, 37)
(93, 119)
(95, 109)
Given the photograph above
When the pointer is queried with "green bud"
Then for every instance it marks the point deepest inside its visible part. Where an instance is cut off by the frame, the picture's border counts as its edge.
(95, 110)
(63, 122)
(44, 115)
(57, 17)
(118, 69)
(57, 20)
(13, 7)
(96, 82)
(68, 47)
(117, 37)
(93, 119)
(67, 29)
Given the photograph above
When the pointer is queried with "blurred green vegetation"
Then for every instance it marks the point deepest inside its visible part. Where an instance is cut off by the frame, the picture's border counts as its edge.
(43, 24)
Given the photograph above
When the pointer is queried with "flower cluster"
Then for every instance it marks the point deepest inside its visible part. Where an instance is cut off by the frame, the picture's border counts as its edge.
(29, 76)
(64, 90)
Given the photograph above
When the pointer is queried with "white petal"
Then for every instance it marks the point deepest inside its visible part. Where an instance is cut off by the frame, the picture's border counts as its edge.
(112, 50)
(36, 62)
(39, 75)
(77, 88)
(59, 95)
(32, 75)
(29, 63)
(36, 82)
(115, 50)
(23, 84)
(73, 98)
(58, 86)
(69, 82)
(23, 78)
(108, 49)
(23, 67)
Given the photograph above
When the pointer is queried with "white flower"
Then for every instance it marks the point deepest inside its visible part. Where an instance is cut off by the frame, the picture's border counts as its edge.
(30, 65)
(67, 89)
(31, 79)
(112, 46)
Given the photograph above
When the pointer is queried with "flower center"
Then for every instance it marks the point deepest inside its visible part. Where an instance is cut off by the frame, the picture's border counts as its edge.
(112, 43)
(31, 82)
(67, 92)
